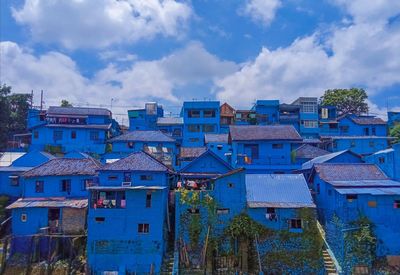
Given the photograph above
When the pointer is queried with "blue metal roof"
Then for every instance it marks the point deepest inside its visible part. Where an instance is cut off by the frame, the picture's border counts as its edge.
(369, 191)
(169, 121)
(58, 202)
(365, 183)
(281, 191)
(116, 188)
(222, 138)
(14, 169)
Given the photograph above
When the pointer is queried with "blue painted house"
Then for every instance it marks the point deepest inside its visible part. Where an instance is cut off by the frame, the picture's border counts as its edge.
(11, 180)
(145, 119)
(267, 112)
(199, 118)
(264, 149)
(54, 201)
(309, 126)
(227, 117)
(66, 129)
(160, 145)
(346, 192)
(354, 125)
(387, 160)
(219, 144)
(188, 154)
(345, 156)
(289, 114)
(328, 123)
(172, 126)
(128, 218)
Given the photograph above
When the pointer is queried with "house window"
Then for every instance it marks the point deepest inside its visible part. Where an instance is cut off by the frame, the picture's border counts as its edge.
(148, 200)
(57, 135)
(361, 269)
(295, 223)
(351, 197)
(146, 177)
(87, 183)
(194, 210)
(324, 113)
(39, 186)
(219, 147)
(277, 146)
(209, 113)
(127, 177)
(251, 150)
(271, 214)
(24, 217)
(309, 107)
(99, 219)
(381, 160)
(371, 144)
(107, 199)
(112, 177)
(193, 139)
(130, 144)
(373, 131)
(94, 135)
(143, 228)
(310, 124)
(194, 128)
(193, 113)
(230, 185)
(366, 131)
(208, 128)
(14, 180)
(223, 211)
(66, 186)
(35, 134)
(372, 204)
(73, 135)
(396, 204)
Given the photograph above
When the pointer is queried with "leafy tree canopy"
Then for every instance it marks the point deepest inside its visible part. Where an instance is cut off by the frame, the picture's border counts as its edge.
(65, 103)
(346, 100)
(395, 132)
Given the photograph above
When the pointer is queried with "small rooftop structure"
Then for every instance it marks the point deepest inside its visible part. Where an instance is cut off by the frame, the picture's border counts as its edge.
(7, 158)
(65, 166)
(280, 191)
(144, 136)
(169, 121)
(268, 132)
(138, 161)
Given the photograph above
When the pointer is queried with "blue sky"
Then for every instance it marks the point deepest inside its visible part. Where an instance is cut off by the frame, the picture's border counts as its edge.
(133, 51)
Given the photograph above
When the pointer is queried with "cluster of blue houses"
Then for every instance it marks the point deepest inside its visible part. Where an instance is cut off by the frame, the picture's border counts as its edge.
(163, 194)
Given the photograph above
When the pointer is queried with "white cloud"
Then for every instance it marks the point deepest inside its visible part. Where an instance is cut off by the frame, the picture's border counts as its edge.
(98, 24)
(60, 78)
(361, 54)
(262, 11)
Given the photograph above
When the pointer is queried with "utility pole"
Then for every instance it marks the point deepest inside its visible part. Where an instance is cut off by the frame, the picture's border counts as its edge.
(41, 100)
(31, 99)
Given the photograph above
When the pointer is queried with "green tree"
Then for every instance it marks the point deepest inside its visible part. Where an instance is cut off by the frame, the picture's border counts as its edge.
(4, 115)
(346, 100)
(65, 103)
(395, 132)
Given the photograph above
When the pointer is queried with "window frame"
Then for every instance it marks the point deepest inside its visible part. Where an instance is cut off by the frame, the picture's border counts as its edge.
(143, 228)
(39, 186)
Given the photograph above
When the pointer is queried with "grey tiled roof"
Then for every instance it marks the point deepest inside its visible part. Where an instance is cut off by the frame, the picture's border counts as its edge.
(325, 158)
(86, 111)
(145, 136)
(269, 132)
(169, 120)
(367, 120)
(309, 152)
(192, 152)
(222, 138)
(349, 172)
(138, 161)
(65, 166)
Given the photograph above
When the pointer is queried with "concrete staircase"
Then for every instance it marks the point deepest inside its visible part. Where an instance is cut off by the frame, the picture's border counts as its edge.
(168, 263)
(329, 265)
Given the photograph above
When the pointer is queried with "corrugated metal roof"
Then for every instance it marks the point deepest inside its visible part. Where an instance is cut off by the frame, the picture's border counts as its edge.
(169, 120)
(14, 169)
(384, 151)
(138, 161)
(191, 152)
(309, 151)
(369, 191)
(349, 172)
(145, 136)
(365, 183)
(77, 126)
(268, 132)
(7, 158)
(281, 191)
(60, 202)
(86, 111)
(65, 166)
(222, 138)
(322, 159)
(355, 137)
